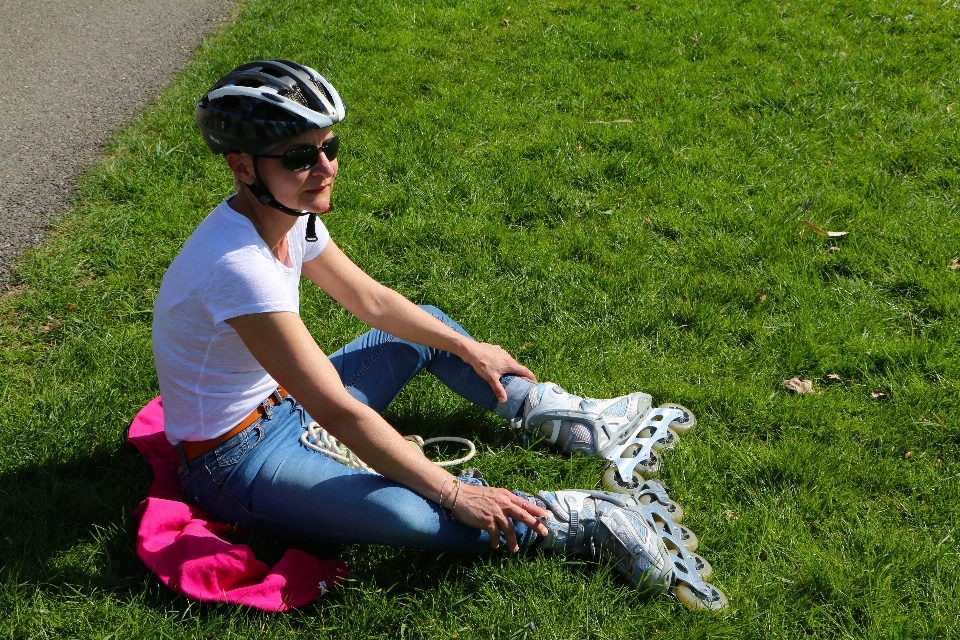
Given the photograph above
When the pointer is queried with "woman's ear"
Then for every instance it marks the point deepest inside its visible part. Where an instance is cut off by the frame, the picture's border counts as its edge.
(242, 167)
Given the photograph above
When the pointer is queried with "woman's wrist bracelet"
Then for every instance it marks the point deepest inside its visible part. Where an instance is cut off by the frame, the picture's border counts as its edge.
(443, 486)
(456, 497)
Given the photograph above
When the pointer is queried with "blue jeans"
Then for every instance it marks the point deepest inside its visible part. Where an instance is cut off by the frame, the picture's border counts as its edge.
(264, 480)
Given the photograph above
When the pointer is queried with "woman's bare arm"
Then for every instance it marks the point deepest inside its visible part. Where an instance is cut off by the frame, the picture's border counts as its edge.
(387, 310)
(284, 347)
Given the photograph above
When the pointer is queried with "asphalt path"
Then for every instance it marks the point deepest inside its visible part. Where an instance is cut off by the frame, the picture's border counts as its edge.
(71, 73)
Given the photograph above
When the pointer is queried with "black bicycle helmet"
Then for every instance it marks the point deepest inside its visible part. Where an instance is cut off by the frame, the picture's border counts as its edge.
(259, 106)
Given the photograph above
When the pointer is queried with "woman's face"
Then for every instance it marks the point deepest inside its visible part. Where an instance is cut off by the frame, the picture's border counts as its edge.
(306, 190)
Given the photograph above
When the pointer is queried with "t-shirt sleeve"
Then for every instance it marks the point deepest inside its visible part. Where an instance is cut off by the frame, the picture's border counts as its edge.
(313, 249)
(247, 282)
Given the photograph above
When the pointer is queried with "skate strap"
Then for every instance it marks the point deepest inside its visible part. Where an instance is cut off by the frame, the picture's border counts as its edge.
(574, 502)
(595, 422)
(539, 416)
(575, 527)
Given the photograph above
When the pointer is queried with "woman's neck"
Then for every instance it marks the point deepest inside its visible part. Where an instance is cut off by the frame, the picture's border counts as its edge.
(271, 224)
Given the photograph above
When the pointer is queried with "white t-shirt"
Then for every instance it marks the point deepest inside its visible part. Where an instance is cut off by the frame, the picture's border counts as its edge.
(208, 379)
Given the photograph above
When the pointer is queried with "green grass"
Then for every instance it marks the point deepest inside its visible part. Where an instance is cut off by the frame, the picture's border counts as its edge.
(481, 173)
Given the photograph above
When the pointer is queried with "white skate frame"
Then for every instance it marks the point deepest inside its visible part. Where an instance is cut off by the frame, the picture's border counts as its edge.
(684, 561)
(659, 418)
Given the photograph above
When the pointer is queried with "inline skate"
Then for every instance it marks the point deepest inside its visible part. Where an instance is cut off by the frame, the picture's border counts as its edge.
(627, 430)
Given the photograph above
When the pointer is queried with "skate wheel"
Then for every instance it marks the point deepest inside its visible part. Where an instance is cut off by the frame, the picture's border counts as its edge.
(667, 442)
(668, 528)
(675, 511)
(704, 568)
(612, 481)
(682, 424)
(689, 598)
(689, 539)
(647, 467)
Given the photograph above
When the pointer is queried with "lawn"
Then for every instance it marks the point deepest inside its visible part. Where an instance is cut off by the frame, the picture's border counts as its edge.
(616, 194)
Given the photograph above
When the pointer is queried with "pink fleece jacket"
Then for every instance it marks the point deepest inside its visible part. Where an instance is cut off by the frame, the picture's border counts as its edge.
(179, 542)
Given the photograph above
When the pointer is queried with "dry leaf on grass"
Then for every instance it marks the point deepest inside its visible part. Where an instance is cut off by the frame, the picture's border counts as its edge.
(954, 264)
(826, 234)
(878, 394)
(908, 455)
(798, 386)
(951, 106)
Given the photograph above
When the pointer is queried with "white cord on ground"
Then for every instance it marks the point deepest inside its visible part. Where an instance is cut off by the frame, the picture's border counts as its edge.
(451, 463)
(320, 440)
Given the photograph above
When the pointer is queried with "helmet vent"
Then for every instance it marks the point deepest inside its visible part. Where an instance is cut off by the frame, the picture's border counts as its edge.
(297, 96)
(325, 93)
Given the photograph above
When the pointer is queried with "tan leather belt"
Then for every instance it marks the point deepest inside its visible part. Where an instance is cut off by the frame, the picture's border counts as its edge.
(193, 450)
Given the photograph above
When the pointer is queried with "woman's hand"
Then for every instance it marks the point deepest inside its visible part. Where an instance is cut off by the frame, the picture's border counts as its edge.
(491, 509)
(491, 362)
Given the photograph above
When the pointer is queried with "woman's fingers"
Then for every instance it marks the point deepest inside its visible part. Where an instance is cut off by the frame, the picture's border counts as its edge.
(495, 510)
(498, 391)
(492, 362)
(519, 513)
(494, 531)
(509, 533)
(523, 372)
(511, 366)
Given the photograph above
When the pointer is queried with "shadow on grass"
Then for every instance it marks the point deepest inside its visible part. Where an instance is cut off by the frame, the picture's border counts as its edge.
(69, 526)
(70, 522)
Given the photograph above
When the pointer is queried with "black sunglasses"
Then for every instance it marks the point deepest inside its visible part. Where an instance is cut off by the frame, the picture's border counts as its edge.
(303, 158)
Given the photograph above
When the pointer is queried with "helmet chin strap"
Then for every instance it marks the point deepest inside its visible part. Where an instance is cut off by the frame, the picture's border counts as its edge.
(263, 196)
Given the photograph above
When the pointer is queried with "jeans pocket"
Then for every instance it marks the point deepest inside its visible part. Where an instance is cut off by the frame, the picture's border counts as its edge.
(233, 450)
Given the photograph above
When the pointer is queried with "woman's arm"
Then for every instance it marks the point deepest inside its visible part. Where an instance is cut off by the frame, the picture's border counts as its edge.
(385, 309)
(284, 347)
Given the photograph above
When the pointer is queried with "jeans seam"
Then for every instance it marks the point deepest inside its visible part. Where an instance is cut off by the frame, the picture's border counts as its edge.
(369, 363)
(223, 491)
(444, 321)
(383, 345)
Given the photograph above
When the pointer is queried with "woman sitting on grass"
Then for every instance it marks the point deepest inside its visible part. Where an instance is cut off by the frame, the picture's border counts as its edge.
(241, 376)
